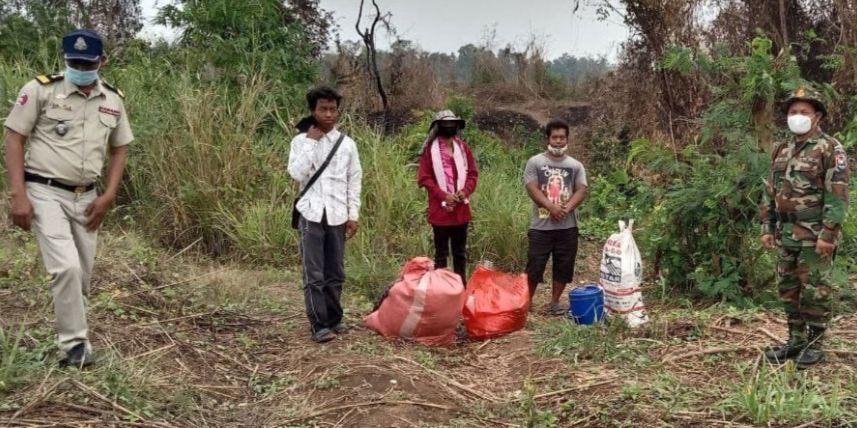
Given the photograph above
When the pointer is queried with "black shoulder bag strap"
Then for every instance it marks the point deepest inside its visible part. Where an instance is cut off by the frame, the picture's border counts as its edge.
(295, 214)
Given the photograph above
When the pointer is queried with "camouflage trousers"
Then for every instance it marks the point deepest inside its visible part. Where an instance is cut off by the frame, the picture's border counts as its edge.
(806, 288)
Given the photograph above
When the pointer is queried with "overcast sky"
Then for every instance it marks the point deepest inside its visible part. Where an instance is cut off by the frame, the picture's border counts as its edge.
(446, 25)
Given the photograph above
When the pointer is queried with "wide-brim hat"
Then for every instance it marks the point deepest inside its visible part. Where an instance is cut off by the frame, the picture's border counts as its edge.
(447, 116)
(807, 95)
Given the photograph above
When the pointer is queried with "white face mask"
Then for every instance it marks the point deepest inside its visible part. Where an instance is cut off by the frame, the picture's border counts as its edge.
(800, 124)
(557, 151)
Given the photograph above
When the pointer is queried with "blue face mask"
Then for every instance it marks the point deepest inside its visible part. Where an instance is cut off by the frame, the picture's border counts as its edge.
(81, 78)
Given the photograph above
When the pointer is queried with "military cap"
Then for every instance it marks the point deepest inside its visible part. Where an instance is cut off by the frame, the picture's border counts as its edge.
(809, 95)
(84, 45)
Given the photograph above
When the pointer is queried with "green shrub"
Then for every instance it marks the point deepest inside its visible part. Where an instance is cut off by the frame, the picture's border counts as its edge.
(231, 42)
(611, 198)
(462, 105)
(703, 230)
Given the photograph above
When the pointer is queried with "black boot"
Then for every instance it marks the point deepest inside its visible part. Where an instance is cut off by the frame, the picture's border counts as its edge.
(792, 348)
(812, 353)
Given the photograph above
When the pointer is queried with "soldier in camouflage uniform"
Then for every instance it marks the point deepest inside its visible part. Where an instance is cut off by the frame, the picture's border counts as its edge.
(802, 213)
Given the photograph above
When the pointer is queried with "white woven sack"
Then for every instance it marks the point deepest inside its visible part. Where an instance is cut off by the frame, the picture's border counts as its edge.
(622, 275)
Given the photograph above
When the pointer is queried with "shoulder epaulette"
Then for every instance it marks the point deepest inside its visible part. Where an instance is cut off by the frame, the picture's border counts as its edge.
(831, 140)
(47, 79)
(828, 137)
(114, 89)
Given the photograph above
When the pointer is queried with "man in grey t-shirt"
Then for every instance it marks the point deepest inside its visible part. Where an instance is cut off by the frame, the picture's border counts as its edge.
(557, 185)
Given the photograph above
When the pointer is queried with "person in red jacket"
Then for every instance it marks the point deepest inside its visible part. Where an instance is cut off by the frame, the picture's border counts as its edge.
(449, 174)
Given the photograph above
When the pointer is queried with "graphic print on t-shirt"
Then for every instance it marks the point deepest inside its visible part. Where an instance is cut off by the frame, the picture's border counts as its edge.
(557, 185)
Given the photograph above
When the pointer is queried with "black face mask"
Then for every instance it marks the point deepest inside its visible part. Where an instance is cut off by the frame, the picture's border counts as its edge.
(446, 131)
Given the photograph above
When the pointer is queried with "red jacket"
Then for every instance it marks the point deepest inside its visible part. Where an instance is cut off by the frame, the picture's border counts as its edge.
(437, 214)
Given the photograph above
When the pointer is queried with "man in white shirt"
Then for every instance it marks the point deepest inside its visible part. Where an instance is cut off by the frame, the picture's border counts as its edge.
(329, 211)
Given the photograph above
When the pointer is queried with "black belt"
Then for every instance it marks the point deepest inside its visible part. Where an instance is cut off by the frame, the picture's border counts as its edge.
(35, 178)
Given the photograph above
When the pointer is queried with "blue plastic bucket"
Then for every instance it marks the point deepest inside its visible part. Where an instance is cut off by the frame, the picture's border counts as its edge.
(587, 304)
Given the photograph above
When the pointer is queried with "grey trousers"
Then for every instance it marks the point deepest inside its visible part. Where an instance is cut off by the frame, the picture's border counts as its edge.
(68, 251)
(323, 253)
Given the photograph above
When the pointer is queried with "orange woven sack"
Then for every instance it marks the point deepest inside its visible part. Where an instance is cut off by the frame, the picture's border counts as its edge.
(424, 305)
(496, 303)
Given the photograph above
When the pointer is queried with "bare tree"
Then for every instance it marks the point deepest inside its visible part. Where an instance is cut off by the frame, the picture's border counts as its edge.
(368, 36)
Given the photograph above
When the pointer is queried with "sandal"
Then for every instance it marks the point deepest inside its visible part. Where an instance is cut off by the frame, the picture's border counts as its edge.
(556, 309)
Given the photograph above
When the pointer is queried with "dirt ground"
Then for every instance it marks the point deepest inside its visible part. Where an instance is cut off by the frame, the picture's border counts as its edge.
(186, 342)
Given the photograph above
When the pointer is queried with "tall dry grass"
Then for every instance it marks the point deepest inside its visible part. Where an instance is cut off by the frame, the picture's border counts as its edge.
(208, 168)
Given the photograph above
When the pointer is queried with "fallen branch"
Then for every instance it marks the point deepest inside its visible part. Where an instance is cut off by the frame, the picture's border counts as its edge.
(147, 353)
(176, 319)
(185, 249)
(344, 417)
(727, 423)
(808, 424)
(757, 364)
(734, 331)
(452, 382)
(230, 387)
(770, 335)
(692, 414)
(98, 395)
(567, 390)
(173, 284)
(841, 352)
(34, 423)
(246, 367)
(82, 408)
(365, 404)
(709, 351)
(581, 420)
(137, 308)
(483, 345)
(43, 395)
(495, 422)
(140, 280)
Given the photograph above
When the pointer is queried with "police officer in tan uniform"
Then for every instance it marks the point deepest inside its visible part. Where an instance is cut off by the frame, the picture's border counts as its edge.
(58, 135)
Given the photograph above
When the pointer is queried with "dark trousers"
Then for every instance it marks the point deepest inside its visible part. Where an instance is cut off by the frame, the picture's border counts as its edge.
(559, 244)
(456, 237)
(323, 252)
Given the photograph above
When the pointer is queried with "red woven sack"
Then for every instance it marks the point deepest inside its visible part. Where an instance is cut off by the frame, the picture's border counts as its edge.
(424, 305)
(496, 303)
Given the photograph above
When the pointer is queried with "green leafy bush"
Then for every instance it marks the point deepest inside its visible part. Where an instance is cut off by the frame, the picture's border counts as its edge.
(702, 233)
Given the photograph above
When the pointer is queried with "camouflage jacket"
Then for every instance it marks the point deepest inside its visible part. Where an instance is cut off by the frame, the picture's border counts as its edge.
(806, 194)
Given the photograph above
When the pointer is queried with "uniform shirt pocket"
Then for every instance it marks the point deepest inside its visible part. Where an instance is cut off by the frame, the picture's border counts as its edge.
(59, 125)
(59, 115)
(108, 120)
(108, 124)
(54, 116)
(806, 175)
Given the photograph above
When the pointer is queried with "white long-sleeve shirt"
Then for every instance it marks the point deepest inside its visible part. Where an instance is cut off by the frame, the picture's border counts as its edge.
(337, 192)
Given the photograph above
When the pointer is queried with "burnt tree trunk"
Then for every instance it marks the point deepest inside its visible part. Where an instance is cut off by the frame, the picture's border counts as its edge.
(368, 37)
